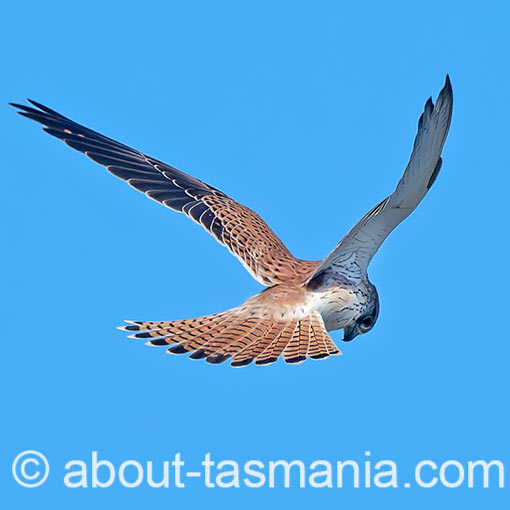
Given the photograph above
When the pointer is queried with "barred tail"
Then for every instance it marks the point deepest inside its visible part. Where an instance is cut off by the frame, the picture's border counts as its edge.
(234, 334)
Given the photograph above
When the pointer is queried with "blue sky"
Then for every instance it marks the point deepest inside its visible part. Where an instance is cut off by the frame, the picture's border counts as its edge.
(305, 112)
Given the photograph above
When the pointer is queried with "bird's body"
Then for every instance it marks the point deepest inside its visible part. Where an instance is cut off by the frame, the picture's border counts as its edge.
(304, 299)
(340, 302)
(336, 301)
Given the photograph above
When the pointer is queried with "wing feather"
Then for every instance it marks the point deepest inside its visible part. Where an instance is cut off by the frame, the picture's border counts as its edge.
(241, 230)
(354, 252)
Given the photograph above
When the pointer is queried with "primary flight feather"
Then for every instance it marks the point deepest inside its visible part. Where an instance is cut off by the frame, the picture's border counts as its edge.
(304, 299)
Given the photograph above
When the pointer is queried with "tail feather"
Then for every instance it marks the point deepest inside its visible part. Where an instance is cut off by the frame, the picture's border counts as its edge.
(250, 331)
(172, 326)
(188, 338)
(185, 332)
(297, 348)
(304, 339)
(290, 353)
(249, 353)
(318, 325)
(273, 351)
(253, 336)
(333, 350)
(238, 335)
(215, 348)
(316, 349)
(196, 338)
(319, 348)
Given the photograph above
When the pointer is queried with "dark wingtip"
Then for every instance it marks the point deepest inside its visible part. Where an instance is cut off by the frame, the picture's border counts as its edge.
(447, 89)
(429, 105)
(40, 106)
(21, 107)
(28, 115)
(45, 109)
(39, 109)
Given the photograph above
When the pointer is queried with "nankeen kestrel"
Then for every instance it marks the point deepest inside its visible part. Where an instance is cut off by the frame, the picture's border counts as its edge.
(304, 299)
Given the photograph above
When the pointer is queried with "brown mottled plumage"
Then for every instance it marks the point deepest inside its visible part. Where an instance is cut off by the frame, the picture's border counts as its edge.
(305, 299)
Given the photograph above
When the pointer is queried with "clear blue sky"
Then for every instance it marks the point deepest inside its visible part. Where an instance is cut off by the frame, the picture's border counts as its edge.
(305, 112)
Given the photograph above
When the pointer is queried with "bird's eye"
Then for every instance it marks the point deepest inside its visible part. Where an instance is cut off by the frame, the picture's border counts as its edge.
(367, 321)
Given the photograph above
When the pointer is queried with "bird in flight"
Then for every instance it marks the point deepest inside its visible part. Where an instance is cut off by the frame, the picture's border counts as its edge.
(303, 299)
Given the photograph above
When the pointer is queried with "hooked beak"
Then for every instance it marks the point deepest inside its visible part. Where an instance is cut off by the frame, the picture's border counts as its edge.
(350, 334)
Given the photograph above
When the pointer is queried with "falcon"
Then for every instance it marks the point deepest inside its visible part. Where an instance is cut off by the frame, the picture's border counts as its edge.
(303, 299)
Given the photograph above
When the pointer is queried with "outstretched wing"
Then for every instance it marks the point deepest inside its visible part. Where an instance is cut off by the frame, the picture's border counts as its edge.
(235, 226)
(355, 251)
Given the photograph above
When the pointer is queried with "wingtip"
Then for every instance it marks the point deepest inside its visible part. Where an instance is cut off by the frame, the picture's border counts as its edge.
(24, 106)
(447, 88)
(34, 103)
(19, 107)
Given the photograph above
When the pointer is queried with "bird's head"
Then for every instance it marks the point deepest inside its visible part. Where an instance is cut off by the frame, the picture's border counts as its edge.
(366, 320)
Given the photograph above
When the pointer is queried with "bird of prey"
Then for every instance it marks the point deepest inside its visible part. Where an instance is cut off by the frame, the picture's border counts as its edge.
(303, 299)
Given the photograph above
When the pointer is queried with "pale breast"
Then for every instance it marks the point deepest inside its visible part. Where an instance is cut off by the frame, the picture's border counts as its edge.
(338, 306)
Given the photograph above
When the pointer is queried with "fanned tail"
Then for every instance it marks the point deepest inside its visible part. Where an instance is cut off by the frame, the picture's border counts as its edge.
(237, 335)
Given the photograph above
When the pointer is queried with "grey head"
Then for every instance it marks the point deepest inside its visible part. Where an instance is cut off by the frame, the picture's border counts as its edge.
(366, 320)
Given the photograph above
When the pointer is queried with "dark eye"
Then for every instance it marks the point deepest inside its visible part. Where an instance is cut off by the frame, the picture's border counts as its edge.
(367, 321)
